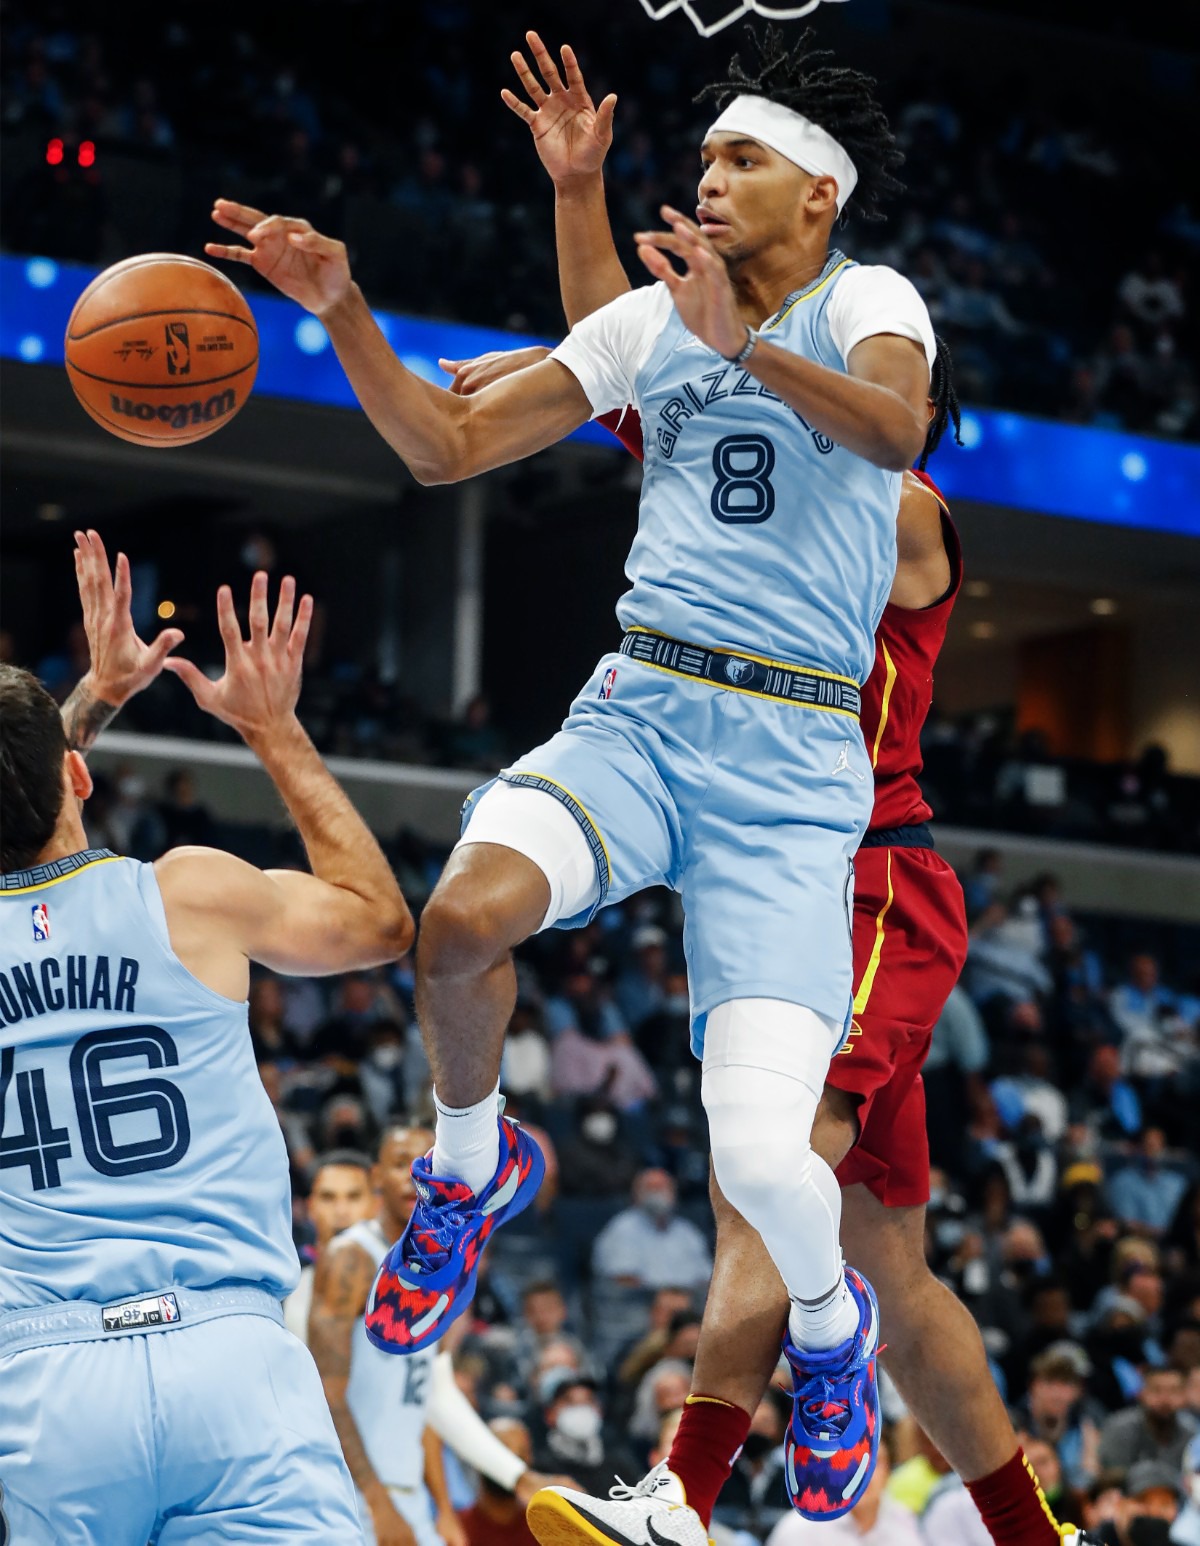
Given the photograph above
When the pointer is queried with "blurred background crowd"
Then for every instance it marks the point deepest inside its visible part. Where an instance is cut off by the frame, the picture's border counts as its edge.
(1054, 298)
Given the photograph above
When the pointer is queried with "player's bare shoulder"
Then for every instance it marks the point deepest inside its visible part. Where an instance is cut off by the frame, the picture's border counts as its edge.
(923, 569)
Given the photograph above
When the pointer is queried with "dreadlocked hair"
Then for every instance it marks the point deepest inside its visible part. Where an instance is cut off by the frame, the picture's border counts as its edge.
(945, 402)
(838, 100)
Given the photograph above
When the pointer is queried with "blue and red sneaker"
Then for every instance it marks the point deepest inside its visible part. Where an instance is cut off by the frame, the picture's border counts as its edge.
(428, 1277)
(833, 1437)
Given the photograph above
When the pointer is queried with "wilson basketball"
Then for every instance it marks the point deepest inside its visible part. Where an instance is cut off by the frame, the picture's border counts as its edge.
(161, 349)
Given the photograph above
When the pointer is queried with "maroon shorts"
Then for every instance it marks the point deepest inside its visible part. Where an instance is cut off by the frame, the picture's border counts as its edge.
(910, 942)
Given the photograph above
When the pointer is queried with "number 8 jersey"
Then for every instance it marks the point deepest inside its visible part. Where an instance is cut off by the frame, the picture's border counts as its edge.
(138, 1148)
(755, 531)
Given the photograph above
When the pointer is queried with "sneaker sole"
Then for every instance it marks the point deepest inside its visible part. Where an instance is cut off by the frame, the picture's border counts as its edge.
(557, 1522)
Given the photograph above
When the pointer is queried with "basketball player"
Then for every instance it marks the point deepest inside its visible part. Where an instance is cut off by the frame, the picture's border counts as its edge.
(340, 1195)
(150, 1390)
(909, 948)
(381, 1405)
(719, 750)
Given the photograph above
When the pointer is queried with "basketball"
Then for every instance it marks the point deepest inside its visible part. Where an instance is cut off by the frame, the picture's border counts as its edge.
(161, 349)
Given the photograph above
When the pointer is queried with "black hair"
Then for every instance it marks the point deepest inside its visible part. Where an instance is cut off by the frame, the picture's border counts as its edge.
(354, 1158)
(839, 100)
(393, 1126)
(944, 398)
(33, 744)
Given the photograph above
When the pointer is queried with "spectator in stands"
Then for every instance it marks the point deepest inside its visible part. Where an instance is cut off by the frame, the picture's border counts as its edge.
(1157, 1428)
(265, 1011)
(754, 1498)
(664, 1388)
(667, 1304)
(641, 988)
(525, 1070)
(1107, 1103)
(1004, 956)
(361, 1003)
(593, 1051)
(597, 1160)
(575, 1441)
(543, 1324)
(1150, 295)
(648, 1245)
(473, 740)
(340, 1195)
(1146, 1509)
(1145, 1195)
(1054, 1410)
(497, 1518)
(958, 1054)
(982, 886)
(184, 819)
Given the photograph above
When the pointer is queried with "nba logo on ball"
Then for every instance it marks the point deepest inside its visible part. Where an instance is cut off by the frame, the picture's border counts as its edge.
(179, 354)
(609, 682)
(41, 923)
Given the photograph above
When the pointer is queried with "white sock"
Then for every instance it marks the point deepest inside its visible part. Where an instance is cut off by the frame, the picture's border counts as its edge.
(814, 1327)
(466, 1142)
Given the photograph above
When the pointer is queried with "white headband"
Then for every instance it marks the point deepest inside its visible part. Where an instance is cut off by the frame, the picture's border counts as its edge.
(798, 139)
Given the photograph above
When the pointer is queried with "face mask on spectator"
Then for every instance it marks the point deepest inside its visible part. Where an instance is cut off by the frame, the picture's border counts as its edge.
(599, 1126)
(657, 1204)
(387, 1057)
(579, 1423)
(757, 1445)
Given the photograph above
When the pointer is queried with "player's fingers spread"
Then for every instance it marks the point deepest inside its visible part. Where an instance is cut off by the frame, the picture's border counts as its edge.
(190, 675)
(229, 213)
(604, 116)
(282, 626)
(259, 615)
(527, 78)
(168, 639)
(299, 635)
(545, 61)
(571, 67)
(123, 583)
(522, 109)
(227, 623)
(659, 266)
(230, 254)
(665, 241)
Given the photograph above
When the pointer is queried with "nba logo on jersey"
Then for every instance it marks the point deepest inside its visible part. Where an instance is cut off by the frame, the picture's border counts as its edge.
(41, 923)
(609, 682)
(169, 1306)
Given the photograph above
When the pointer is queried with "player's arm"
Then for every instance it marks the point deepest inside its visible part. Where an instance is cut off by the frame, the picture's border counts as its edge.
(923, 571)
(877, 410)
(456, 1422)
(447, 1522)
(340, 1290)
(120, 665)
(441, 437)
(572, 137)
(348, 913)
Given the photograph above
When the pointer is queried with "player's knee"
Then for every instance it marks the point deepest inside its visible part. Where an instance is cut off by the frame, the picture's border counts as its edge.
(758, 1156)
(462, 932)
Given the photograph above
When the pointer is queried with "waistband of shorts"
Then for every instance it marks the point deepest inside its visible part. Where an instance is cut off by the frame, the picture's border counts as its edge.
(166, 1309)
(803, 685)
(917, 835)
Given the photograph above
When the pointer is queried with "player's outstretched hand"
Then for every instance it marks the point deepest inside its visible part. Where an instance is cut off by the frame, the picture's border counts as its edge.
(306, 266)
(258, 692)
(571, 134)
(473, 375)
(122, 664)
(703, 294)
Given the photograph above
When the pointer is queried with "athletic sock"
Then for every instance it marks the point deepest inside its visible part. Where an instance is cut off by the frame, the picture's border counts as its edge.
(1014, 1507)
(819, 1324)
(708, 1440)
(466, 1142)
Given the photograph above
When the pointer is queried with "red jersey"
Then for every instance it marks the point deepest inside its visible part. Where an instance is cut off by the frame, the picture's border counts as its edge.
(896, 697)
(897, 694)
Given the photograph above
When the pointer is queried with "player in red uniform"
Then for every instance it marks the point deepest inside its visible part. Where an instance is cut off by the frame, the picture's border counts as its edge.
(909, 947)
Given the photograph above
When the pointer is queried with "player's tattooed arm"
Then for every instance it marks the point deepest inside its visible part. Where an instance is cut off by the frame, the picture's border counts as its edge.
(340, 1290)
(121, 664)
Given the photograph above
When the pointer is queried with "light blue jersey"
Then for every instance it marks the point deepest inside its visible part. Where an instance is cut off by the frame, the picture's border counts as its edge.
(719, 752)
(756, 531)
(149, 1391)
(138, 1148)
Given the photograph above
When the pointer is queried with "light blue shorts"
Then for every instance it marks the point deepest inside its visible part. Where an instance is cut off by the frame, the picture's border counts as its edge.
(209, 1431)
(752, 809)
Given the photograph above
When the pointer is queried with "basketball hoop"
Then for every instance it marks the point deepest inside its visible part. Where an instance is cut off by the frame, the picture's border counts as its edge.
(729, 11)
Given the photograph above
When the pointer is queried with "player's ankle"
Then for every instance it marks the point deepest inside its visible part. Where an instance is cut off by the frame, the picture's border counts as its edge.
(467, 1141)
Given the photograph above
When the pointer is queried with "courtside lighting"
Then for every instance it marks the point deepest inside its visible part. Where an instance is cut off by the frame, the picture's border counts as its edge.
(50, 512)
(421, 365)
(54, 153)
(982, 630)
(41, 273)
(977, 589)
(311, 337)
(166, 609)
(87, 154)
(1103, 606)
(971, 431)
(1134, 466)
(31, 348)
